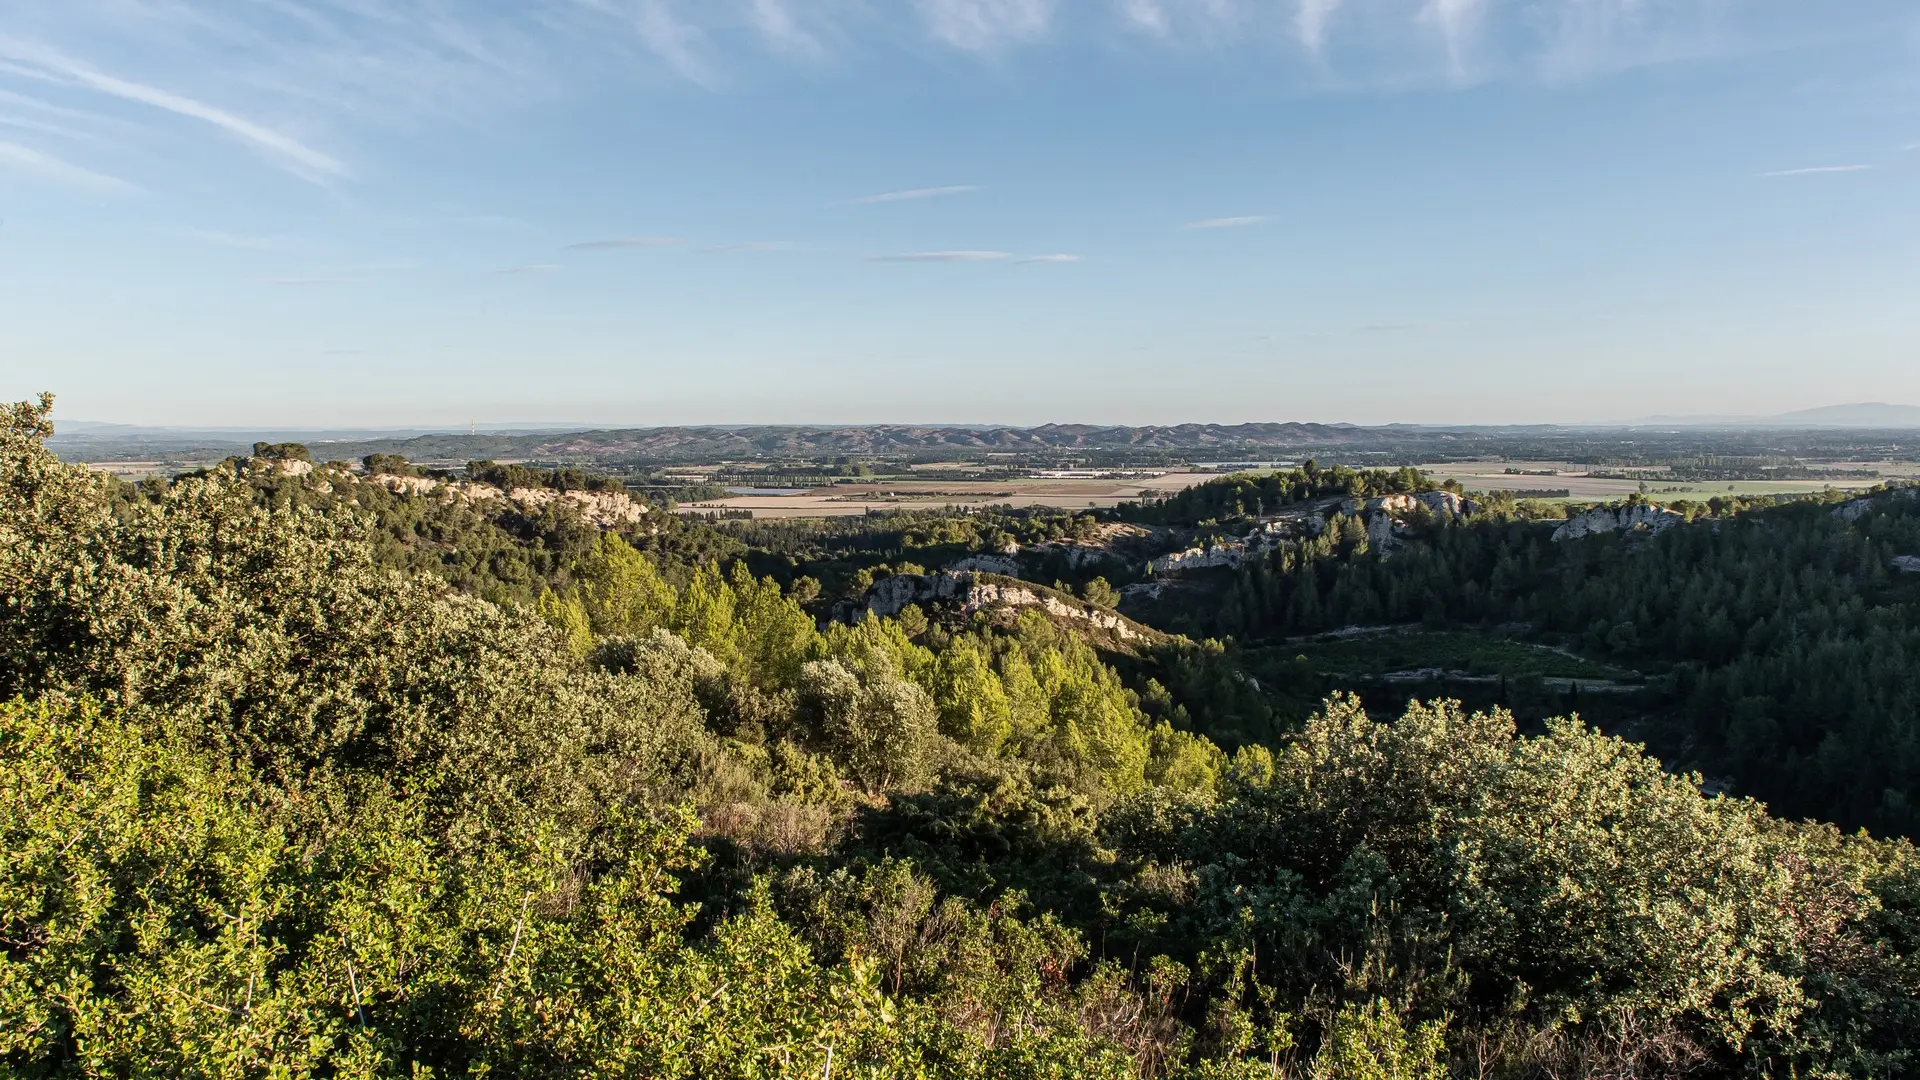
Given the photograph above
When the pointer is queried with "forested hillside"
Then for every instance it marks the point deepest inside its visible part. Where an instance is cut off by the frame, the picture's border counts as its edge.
(310, 776)
(1782, 641)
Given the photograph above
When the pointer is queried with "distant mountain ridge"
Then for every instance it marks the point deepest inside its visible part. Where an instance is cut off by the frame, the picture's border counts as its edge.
(783, 441)
(716, 442)
(1868, 414)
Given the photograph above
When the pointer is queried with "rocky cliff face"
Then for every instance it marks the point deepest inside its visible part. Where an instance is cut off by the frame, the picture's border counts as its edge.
(1383, 517)
(604, 508)
(1855, 509)
(987, 564)
(1631, 518)
(1907, 564)
(970, 592)
(1227, 553)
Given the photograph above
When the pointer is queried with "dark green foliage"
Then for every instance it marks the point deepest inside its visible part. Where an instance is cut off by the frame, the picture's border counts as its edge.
(291, 451)
(514, 477)
(1252, 495)
(1783, 641)
(276, 804)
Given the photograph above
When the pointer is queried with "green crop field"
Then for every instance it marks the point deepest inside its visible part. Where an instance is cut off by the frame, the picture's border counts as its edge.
(1452, 651)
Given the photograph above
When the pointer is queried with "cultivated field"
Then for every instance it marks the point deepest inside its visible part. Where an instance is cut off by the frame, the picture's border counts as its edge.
(848, 499)
(1580, 487)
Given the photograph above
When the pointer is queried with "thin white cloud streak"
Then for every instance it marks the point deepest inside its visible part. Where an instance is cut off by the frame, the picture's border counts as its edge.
(1819, 170)
(297, 156)
(493, 221)
(1228, 222)
(673, 40)
(224, 238)
(26, 159)
(345, 66)
(943, 257)
(1310, 21)
(1458, 22)
(914, 194)
(23, 123)
(1146, 15)
(1048, 260)
(781, 28)
(626, 243)
(982, 25)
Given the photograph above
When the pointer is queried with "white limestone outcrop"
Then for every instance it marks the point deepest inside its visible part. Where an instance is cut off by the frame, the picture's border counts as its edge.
(603, 508)
(890, 596)
(987, 564)
(600, 507)
(1227, 553)
(1854, 509)
(1633, 517)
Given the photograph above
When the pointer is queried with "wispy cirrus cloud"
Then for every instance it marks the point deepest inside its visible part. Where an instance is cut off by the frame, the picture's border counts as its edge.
(943, 257)
(980, 25)
(916, 194)
(673, 39)
(1458, 22)
(620, 243)
(749, 246)
(38, 163)
(310, 85)
(1047, 260)
(1146, 15)
(225, 238)
(1242, 222)
(49, 65)
(1310, 22)
(1818, 170)
(780, 25)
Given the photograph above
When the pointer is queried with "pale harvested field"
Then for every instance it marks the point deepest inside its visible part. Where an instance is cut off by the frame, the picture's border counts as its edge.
(1491, 476)
(848, 499)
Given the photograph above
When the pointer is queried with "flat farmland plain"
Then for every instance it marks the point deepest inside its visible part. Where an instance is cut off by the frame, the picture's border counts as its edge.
(841, 500)
(1493, 476)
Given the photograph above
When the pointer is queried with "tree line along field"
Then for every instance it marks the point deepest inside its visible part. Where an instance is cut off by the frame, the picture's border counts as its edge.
(1659, 483)
(312, 775)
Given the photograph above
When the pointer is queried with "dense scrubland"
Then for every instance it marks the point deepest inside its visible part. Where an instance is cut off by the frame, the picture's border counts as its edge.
(309, 776)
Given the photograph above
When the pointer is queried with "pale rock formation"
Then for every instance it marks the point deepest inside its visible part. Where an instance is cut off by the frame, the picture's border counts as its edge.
(1227, 553)
(988, 564)
(404, 485)
(1854, 509)
(1628, 518)
(603, 508)
(1390, 504)
(1382, 517)
(1907, 564)
(1380, 531)
(1077, 556)
(1449, 505)
(890, 596)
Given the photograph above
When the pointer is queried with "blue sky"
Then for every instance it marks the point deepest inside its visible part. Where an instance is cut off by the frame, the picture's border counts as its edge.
(387, 212)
